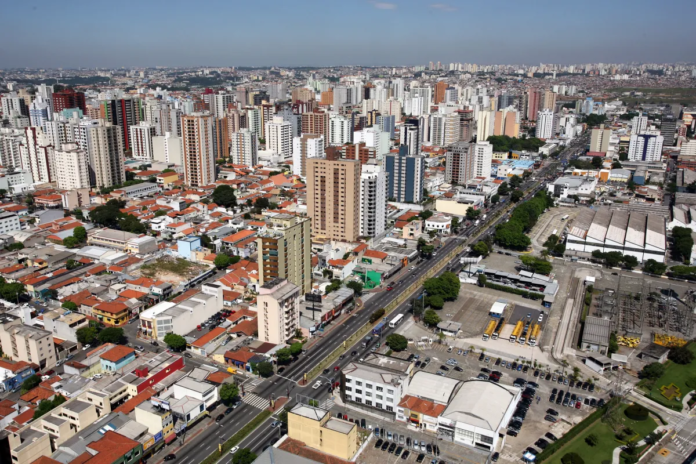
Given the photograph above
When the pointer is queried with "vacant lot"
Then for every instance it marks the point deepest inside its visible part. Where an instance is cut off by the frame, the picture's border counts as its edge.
(172, 270)
(677, 374)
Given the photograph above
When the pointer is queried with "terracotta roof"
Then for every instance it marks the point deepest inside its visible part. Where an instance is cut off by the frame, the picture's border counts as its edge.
(241, 235)
(25, 417)
(375, 254)
(243, 313)
(46, 460)
(338, 262)
(117, 353)
(247, 327)
(359, 248)
(211, 335)
(11, 269)
(113, 308)
(110, 448)
(128, 294)
(131, 404)
(65, 283)
(37, 394)
(422, 406)
(186, 295)
(218, 377)
(241, 355)
(14, 367)
(228, 295)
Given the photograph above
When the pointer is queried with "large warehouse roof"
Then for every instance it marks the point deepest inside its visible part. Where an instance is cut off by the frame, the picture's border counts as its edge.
(481, 403)
(432, 387)
(599, 225)
(582, 223)
(655, 235)
(617, 227)
(636, 229)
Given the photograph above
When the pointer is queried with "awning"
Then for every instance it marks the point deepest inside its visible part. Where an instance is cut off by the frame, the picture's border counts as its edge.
(170, 438)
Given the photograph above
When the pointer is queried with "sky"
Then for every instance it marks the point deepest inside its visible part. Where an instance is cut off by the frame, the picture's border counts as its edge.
(139, 33)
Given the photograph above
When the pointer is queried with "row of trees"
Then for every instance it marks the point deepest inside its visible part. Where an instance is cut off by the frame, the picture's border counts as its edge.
(682, 243)
(615, 258)
(78, 238)
(554, 246)
(110, 215)
(11, 291)
(441, 289)
(513, 233)
(92, 333)
(536, 265)
(505, 143)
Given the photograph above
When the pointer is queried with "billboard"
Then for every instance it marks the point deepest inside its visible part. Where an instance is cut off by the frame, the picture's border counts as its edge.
(312, 298)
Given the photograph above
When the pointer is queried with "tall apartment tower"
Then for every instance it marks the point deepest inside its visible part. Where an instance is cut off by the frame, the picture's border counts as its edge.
(122, 112)
(485, 124)
(72, 167)
(316, 122)
(199, 153)
(141, 140)
(506, 122)
(440, 90)
(37, 154)
(444, 129)
(545, 124)
(104, 143)
(279, 137)
(646, 146)
(219, 103)
(549, 100)
(244, 148)
(406, 175)
(668, 128)
(285, 251)
(533, 103)
(333, 199)
(461, 163)
(68, 98)
(409, 136)
(639, 124)
(340, 130)
(466, 123)
(278, 305)
(483, 152)
(305, 147)
(221, 139)
(373, 200)
(599, 139)
(168, 148)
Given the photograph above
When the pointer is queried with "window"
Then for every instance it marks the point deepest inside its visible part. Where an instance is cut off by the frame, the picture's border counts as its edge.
(358, 400)
(358, 392)
(368, 386)
(390, 409)
(379, 397)
(379, 389)
(390, 400)
(359, 384)
(391, 392)
(368, 402)
(348, 380)
(378, 405)
(349, 398)
(348, 389)
(368, 394)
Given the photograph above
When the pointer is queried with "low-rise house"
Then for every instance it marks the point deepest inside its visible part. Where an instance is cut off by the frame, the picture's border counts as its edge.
(13, 374)
(117, 358)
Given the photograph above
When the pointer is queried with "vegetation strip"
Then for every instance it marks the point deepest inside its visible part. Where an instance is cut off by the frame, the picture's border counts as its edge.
(239, 436)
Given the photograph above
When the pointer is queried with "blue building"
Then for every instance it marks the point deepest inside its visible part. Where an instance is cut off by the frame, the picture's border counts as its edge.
(387, 124)
(117, 358)
(12, 375)
(406, 174)
(187, 244)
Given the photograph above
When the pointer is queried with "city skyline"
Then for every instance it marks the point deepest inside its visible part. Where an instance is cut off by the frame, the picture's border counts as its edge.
(162, 34)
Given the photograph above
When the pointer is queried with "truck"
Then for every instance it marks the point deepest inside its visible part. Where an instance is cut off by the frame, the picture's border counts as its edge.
(525, 332)
(517, 331)
(489, 330)
(534, 335)
(498, 328)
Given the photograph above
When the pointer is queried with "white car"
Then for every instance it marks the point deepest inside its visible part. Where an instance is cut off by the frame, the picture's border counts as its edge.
(97, 376)
(541, 317)
(86, 347)
(317, 384)
(234, 450)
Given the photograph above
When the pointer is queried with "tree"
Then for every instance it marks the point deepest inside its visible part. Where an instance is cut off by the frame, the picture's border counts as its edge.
(397, 342)
(15, 246)
(86, 335)
(536, 265)
(132, 224)
(427, 250)
(80, 234)
(495, 199)
(616, 165)
(48, 405)
(11, 292)
(652, 371)
(111, 335)
(357, 287)
(283, 356)
(71, 242)
(377, 315)
(629, 261)
(597, 162)
(559, 249)
(504, 189)
(228, 392)
(3, 192)
(69, 305)
(431, 318)
(175, 342)
(223, 195)
(72, 264)
(613, 258)
(244, 456)
(262, 203)
(106, 215)
(480, 249)
(472, 213)
(680, 355)
(482, 280)
(653, 267)
(455, 224)
(613, 342)
(296, 349)
(436, 302)
(426, 214)
(30, 383)
(222, 261)
(264, 369)
(682, 244)
(447, 286)
(515, 181)
(333, 286)
(572, 458)
(516, 196)
(591, 439)
(160, 213)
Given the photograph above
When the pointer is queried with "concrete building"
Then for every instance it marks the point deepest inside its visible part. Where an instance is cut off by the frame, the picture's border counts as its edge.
(141, 137)
(64, 325)
(444, 129)
(563, 187)
(305, 147)
(688, 149)
(279, 137)
(373, 137)
(461, 162)
(9, 222)
(168, 148)
(378, 381)
(198, 153)
(373, 200)
(316, 122)
(639, 124)
(409, 136)
(278, 311)
(284, 251)
(485, 124)
(668, 129)
(595, 335)
(317, 429)
(599, 139)
(340, 130)
(26, 343)
(72, 167)
(37, 154)
(219, 103)
(182, 318)
(506, 122)
(333, 199)
(545, 126)
(122, 113)
(406, 175)
(104, 145)
(483, 155)
(646, 146)
(244, 148)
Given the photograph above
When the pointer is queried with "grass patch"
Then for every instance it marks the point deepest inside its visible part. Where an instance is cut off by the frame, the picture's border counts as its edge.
(238, 437)
(676, 374)
(606, 440)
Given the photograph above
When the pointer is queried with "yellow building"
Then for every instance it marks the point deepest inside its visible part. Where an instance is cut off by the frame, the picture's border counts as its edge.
(500, 155)
(317, 429)
(167, 178)
(113, 313)
(155, 419)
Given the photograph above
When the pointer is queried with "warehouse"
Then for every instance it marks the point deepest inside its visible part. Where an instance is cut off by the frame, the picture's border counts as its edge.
(630, 233)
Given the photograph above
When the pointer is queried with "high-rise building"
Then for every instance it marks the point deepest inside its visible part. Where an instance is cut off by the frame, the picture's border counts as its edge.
(11, 141)
(461, 163)
(549, 100)
(373, 137)
(168, 148)
(483, 152)
(278, 312)
(485, 123)
(444, 129)
(199, 154)
(254, 122)
(279, 137)
(533, 103)
(303, 95)
(332, 198)
(359, 151)
(103, 142)
(507, 122)
(668, 128)
(39, 112)
(219, 104)
(391, 107)
(387, 124)
(221, 138)
(545, 124)
(122, 112)
(72, 167)
(409, 136)
(305, 147)
(278, 90)
(244, 148)
(466, 122)
(68, 98)
(242, 96)
(688, 150)
(37, 154)
(406, 175)
(267, 111)
(599, 139)
(646, 146)
(285, 251)
(340, 130)
(12, 103)
(639, 124)
(317, 122)
(373, 200)
(440, 90)
(451, 96)
(141, 140)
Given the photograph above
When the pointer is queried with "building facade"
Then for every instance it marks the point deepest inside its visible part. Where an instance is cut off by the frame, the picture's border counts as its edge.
(199, 153)
(278, 311)
(373, 200)
(244, 148)
(284, 251)
(406, 175)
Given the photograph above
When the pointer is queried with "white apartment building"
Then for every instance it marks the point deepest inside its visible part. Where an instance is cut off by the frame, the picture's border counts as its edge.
(218, 104)
(483, 151)
(688, 148)
(106, 158)
(373, 137)
(9, 222)
(305, 147)
(278, 311)
(279, 137)
(646, 146)
(168, 148)
(141, 140)
(639, 124)
(444, 129)
(484, 124)
(254, 121)
(72, 167)
(377, 381)
(10, 151)
(244, 148)
(38, 155)
(373, 200)
(26, 343)
(545, 124)
(340, 130)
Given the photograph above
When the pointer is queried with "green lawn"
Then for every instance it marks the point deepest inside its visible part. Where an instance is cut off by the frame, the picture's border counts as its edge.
(606, 441)
(677, 374)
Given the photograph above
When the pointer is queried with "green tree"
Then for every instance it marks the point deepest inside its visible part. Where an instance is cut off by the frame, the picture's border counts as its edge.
(516, 196)
(69, 305)
(613, 342)
(48, 405)
(12, 291)
(30, 383)
(472, 213)
(436, 302)
(613, 258)
(480, 249)
(597, 162)
(559, 249)
(80, 234)
(86, 335)
(630, 262)
(515, 181)
(357, 287)
(15, 246)
(283, 355)
(132, 224)
(71, 242)
(482, 280)
(455, 223)
(175, 342)
(427, 250)
(397, 342)
(111, 335)
(262, 203)
(652, 371)
(244, 456)
(377, 315)
(431, 318)
(680, 355)
(229, 392)
(495, 199)
(333, 286)
(504, 189)
(426, 214)
(682, 243)
(653, 267)
(536, 265)
(223, 195)
(591, 440)
(106, 215)
(264, 369)
(296, 349)
(616, 165)
(160, 213)
(222, 261)
(447, 286)
(72, 264)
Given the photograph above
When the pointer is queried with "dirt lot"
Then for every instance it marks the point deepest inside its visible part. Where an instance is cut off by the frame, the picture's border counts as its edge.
(172, 270)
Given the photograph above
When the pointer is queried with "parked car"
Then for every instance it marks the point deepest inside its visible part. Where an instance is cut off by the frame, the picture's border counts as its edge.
(550, 436)
(219, 417)
(170, 457)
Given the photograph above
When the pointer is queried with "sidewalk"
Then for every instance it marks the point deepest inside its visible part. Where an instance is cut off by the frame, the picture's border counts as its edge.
(335, 323)
(616, 457)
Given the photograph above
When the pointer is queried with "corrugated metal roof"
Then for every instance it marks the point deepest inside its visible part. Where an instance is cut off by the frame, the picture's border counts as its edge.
(636, 229)
(582, 222)
(600, 225)
(655, 235)
(617, 227)
(596, 330)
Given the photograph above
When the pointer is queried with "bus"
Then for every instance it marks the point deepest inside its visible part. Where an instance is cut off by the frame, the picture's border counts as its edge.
(555, 232)
(378, 329)
(394, 322)
(489, 329)
(517, 331)
(565, 217)
(498, 328)
(535, 334)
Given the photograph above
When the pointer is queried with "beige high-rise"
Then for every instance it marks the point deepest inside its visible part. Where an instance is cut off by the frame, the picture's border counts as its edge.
(549, 100)
(106, 159)
(284, 251)
(278, 311)
(333, 198)
(199, 150)
(72, 167)
(26, 343)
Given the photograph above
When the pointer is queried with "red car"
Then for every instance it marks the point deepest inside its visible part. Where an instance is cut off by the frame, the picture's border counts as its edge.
(51, 372)
(336, 368)
(390, 288)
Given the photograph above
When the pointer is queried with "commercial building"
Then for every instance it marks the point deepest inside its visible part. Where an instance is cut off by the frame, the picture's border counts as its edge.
(317, 429)
(141, 140)
(305, 147)
(182, 318)
(595, 335)
(137, 190)
(646, 146)
(26, 343)
(244, 148)
(373, 200)
(278, 311)
(599, 139)
(111, 238)
(333, 201)
(199, 152)
(284, 251)
(668, 129)
(406, 175)
(9, 222)
(470, 421)
(112, 313)
(378, 381)
(563, 187)
(461, 163)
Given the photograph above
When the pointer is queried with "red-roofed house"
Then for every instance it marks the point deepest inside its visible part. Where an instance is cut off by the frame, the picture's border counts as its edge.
(117, 358)
(374, 256)
(341, 268)
(111, 313)
(420, 412)
(209, 342)
(243, 243)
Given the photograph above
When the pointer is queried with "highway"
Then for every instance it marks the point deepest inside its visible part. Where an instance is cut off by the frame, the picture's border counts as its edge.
(286, 384)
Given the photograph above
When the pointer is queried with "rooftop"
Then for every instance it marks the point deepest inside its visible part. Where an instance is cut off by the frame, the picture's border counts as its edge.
(467, 407)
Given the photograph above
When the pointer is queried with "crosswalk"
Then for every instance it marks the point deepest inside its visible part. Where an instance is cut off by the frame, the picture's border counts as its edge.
(327, 404)
(250, 386)
(256, 401)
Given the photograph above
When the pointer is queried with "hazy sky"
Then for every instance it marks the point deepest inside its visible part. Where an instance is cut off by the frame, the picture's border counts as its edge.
(72, 33)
